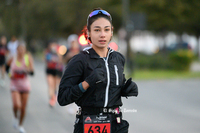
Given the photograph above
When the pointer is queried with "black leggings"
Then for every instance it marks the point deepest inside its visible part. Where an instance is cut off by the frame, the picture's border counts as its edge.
(116, 128)
(2, 61)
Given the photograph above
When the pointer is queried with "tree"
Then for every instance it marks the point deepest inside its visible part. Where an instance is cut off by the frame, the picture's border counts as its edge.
(171, 15)
(59, 18)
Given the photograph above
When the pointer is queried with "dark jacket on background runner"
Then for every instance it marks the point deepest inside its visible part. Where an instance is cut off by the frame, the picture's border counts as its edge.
(3, 51)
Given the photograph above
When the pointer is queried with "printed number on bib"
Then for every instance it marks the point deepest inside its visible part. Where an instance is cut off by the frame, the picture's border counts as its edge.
(97, 124)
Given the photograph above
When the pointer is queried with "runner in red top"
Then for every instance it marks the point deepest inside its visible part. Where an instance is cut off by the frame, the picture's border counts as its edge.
(54, 68)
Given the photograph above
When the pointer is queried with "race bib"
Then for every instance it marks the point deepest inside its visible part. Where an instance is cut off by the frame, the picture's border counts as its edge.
(97, 123)
(19, 75)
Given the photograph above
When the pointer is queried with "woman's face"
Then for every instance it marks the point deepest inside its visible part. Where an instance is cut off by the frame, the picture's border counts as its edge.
(74, 44)
(21, 50)
(3, 40)
(53, 47)
(101, 32)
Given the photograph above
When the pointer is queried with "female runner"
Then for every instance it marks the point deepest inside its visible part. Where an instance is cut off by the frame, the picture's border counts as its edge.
(73, 49)
(20, 67)
(94, 80)
(54, 69)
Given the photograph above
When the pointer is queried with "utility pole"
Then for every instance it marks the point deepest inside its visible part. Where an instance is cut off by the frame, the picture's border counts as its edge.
(198, 44)
(128, 26)
(125, 12)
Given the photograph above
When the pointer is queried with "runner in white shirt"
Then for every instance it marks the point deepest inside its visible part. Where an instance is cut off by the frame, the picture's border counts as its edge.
(12, 46)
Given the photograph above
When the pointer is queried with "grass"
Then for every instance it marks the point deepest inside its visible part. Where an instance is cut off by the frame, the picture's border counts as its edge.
(163, 74)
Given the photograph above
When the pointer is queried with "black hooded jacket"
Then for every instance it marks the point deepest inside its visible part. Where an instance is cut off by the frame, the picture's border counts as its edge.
(107, 93)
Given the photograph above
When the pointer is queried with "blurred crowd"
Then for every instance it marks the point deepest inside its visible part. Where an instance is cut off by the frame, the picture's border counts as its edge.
(56, 53)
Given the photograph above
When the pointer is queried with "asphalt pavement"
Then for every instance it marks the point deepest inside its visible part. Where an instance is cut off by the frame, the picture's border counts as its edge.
(162, 106)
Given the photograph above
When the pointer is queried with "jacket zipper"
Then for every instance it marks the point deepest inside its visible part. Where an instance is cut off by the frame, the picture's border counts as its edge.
(108, 81)
(117, 76)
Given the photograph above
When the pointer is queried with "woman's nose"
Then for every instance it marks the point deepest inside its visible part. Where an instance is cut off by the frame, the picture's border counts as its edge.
(102, 34)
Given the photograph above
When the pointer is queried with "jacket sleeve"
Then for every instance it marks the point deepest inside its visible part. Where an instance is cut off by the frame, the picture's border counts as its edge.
(69, 90)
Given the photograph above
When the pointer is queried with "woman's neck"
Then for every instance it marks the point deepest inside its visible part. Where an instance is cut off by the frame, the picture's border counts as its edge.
(102, 52)
(19, 57)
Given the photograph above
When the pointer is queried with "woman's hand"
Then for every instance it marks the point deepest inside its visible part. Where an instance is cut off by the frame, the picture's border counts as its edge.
(85, 85)
(130, 88)
(97, 76)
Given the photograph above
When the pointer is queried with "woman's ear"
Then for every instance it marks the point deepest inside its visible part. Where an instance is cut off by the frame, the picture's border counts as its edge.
(112, 31)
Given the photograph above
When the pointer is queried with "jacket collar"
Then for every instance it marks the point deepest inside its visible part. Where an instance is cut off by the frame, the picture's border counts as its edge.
(93, 53)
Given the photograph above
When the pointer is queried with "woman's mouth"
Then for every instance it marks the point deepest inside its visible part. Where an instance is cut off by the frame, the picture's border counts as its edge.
(102, 41)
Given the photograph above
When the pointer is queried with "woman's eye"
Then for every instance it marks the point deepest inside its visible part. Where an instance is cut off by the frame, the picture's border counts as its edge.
(96, 30)
(107, 29)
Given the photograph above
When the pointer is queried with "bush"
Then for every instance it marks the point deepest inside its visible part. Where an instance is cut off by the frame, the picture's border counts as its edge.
(181, 60)
(156, 61)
